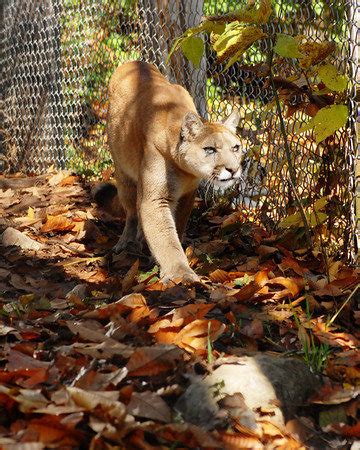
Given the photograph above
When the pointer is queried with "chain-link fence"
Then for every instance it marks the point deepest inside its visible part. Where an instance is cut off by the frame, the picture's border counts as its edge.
(58, 56)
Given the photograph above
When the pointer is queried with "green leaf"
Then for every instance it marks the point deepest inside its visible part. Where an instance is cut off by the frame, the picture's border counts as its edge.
(327, 121)
(332, 78)
(193, 49)
(207, 26)
(178, 42)
(287, 46)
(316, 218)
(320, 203)
(246, 279)
(213, 27)
(335, 415)
(294, 220)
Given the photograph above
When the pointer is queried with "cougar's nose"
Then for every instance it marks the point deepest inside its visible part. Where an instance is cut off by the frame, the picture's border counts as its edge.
(232, 171)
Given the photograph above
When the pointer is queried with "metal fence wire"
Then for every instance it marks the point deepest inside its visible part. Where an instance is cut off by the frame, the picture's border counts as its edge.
(58, 56)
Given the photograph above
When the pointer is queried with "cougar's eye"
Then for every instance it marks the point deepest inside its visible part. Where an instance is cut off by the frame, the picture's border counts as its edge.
(210, 150)
(236, 148)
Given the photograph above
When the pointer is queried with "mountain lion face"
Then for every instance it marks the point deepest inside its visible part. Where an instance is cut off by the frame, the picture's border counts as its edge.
(211, 151)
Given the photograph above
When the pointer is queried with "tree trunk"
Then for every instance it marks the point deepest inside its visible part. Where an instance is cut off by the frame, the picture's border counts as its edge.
(161, 22)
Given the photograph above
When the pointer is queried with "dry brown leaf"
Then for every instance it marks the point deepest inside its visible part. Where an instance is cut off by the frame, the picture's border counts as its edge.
(134, 306)
(129, 279)
(289, 262)
(248, 291)
(150, 361)
(219, 276)
(315, 52)
(150, 406)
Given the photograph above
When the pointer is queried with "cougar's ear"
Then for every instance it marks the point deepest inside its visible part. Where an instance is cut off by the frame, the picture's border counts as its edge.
(191, 126)
(232, 121)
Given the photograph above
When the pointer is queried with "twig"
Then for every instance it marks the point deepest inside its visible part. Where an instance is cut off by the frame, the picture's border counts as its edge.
(323, 249)
(292, 174)
(342, 306)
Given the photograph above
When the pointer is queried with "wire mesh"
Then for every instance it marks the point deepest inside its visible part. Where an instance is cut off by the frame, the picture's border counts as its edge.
(58, 56)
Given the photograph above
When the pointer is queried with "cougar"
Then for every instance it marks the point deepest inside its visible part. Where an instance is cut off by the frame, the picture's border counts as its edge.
(162, 149)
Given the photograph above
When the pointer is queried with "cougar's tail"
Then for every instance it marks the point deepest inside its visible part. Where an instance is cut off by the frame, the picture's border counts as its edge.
(105, 196)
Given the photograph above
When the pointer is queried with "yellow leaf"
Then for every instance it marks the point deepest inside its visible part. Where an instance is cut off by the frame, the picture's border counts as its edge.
(212, 27)
(26, 299)
(31, 213)
(235, 40)
(250, 14)
(332, 79)
(207, 26)
(327, 121)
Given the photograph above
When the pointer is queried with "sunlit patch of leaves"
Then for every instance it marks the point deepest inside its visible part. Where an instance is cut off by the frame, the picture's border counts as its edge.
(98, 351)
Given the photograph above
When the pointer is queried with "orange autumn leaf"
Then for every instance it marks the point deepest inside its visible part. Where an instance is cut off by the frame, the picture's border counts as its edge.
(195, 335)
(57, 223)
(166, 335)
(334, 339)
(135, 304)
(50, 430)
(347, 430)
(293, 285)
(182, 316)
(236, 441)
(69, 181)
(137, 314)
(249, 290)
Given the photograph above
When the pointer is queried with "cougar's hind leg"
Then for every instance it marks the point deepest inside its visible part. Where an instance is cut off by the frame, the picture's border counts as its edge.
(127, 194)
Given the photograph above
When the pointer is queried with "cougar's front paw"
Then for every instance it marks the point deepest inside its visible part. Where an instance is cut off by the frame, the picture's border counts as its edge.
(182, 275)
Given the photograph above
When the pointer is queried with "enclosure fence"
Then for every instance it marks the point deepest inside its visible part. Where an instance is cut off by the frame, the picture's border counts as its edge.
(58, 55)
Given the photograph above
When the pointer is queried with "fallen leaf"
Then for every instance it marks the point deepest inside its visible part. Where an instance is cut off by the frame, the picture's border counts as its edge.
(150, 406)
(150, 361)
(196, 334)
(57, 223)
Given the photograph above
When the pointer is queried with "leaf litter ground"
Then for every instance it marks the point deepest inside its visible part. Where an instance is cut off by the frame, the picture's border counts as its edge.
(95, 352)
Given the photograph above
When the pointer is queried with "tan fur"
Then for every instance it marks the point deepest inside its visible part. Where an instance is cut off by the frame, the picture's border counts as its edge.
(157, 142)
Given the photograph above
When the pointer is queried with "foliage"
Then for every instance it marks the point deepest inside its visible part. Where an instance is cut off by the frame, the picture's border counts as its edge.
(93, 44)
(232, 34)
(315, 88)
(98, 355)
